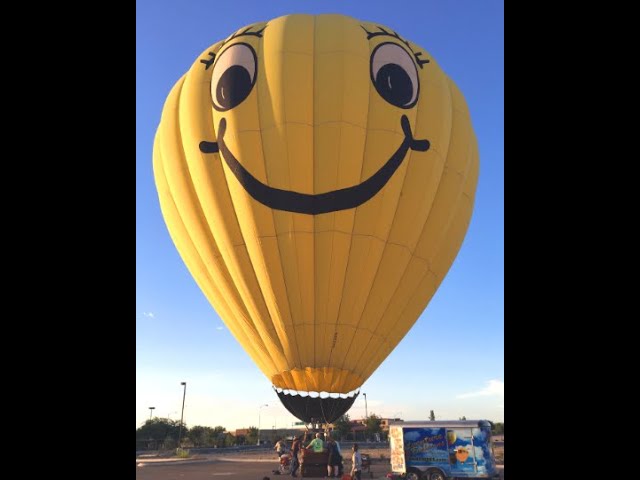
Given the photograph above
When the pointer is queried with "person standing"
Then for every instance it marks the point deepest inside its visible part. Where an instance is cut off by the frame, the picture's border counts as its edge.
(280, 447)
(340, 459)
(356, 463)
(332, 461)
(295, 449)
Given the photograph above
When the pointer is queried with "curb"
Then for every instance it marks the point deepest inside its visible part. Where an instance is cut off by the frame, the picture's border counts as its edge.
(231, 459)
(164, 461)
(170, 461)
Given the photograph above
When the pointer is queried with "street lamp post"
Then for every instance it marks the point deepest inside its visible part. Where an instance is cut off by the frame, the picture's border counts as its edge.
(151, 411)
(366, 414)
(259, 410)
(184, 394)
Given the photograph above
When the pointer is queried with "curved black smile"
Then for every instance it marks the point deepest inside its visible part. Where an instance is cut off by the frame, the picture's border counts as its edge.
(333, 201)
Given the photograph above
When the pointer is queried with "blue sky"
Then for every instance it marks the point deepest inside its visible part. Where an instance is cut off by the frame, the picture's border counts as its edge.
(452, 360)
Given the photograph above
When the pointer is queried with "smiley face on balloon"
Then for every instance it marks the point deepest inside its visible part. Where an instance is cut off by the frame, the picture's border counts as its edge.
(317, 175)
(394, 74)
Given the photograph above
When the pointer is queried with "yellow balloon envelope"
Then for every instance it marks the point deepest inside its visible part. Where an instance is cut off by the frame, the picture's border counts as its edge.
(317, 175)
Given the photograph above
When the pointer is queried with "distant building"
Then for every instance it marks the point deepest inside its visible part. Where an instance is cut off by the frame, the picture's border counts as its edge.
(357, 430)
(271, 435)
(385, 423)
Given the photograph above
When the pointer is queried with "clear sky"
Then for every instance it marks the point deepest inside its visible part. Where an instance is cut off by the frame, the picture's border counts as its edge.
(452, 360)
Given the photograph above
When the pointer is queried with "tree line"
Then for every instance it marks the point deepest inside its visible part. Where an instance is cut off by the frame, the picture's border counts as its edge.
(165, 434)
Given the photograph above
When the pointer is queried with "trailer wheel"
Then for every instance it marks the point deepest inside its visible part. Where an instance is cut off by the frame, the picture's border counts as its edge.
(413, 474)
(435, 475)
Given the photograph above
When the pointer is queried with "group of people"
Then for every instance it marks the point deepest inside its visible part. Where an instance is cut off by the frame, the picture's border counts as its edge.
(331, 446)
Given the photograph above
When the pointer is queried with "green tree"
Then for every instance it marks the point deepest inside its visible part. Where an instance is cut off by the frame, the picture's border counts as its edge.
(158, 434)
(432, 416)
(497, 428)
(218, 436)
(201, 436)
(229, 440)
(252, 436)
(462, 418)
(342, 427)
(373, 425)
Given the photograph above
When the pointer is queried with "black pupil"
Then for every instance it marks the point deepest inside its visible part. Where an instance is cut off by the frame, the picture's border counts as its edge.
(394, 84)
(233, 87)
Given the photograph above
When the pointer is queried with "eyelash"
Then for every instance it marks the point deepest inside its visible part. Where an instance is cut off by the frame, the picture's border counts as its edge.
(247, 32)
(383, 32)
(209, 61)
(370, 35)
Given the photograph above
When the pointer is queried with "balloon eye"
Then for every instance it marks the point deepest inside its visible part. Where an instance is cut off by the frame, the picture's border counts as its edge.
(394, 75)
(233, 76)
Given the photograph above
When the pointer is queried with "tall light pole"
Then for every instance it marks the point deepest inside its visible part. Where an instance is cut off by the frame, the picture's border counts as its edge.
(151, 411)
(259, 410)
(366, 414)
(182, 414)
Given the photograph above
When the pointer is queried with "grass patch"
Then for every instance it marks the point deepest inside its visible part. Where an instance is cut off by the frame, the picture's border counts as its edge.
(182, 453)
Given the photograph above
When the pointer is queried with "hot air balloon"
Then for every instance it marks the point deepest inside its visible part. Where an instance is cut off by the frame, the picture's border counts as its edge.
(317, 175)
